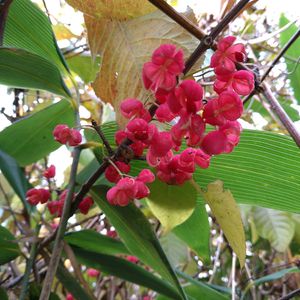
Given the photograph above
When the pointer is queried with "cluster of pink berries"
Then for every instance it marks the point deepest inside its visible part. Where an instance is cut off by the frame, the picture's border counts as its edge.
(183, 101)
(64, 135)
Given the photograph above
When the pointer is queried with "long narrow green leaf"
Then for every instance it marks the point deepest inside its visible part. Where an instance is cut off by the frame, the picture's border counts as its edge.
(276, 275)
(93, 241)
(30, 139)
(294, 52)
(22, 69)
(126, 270)
(8, 245)
(28, 28)
(71, 284)
(135, 230)
(15, 176)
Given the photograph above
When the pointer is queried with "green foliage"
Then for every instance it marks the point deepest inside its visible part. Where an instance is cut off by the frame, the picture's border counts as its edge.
(124, 269)
(8, 245)
(294, 52)
(172, 204)
(84, 66)
(137, 235)
(264, 167)
(275, 226)
(23, 69)
(71, 284)
(3, 295)
(15, 176)
(32, 136)
(195, 232)
(276, 275)
(175, 249)
(95, 242)
(199, 290)
(28, 28)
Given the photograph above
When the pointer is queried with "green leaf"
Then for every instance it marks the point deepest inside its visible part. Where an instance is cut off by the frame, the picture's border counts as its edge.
(84, 66)
(256, 106)
(70, 283)
(93, 241)
(276, 275)
(195, 232)
(3, 295)
(198, 290)
(263, 170)
(15, 176)
(275, 226)
(293, 51)
(23, 69)
(175, 249)
(228, 215)
(32, 136)
(172, 204)
(28, 28)
(124, 269)
(137, 235)
(8, 245)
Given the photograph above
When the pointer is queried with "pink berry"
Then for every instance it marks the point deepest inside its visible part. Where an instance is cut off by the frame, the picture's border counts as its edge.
(35, 196)
(85, 205)
(92, 273)
(112, 174)
(50, 172)
(166, 64)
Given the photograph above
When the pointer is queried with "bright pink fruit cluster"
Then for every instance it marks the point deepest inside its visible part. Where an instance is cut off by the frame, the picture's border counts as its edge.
(65, 135)
(127, 188)
(56, 207)
(183, 101)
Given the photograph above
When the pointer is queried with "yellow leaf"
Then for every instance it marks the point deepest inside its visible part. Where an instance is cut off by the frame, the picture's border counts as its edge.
(113, 9)
(125, 47)
(227, 213)
(62, 32)
(172, 204)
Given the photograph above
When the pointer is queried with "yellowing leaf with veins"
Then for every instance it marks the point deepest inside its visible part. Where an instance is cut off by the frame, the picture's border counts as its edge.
(172, 204)
(125, 47)
(113, 9)
(228, 215)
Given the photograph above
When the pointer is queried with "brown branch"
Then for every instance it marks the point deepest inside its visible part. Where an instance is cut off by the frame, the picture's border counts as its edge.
(291, 295)
(4, 8)
(281, 54)
(282, 115)
(179, 19)
(103, 138)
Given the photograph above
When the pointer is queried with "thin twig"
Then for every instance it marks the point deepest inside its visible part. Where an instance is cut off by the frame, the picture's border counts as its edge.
(179, 19)
(281, 53)
(233, 282)
(29, 264)
(207, 42)
(291, 295)
(58, 243)
(102, 137)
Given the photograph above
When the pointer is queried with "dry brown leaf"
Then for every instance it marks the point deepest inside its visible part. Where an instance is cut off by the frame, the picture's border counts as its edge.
(113, 9)
(125, 47)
